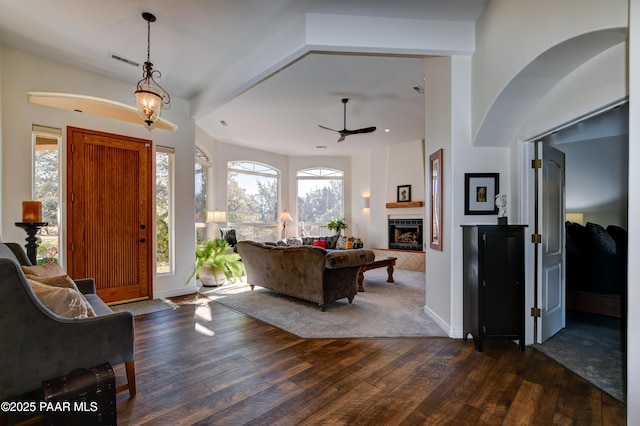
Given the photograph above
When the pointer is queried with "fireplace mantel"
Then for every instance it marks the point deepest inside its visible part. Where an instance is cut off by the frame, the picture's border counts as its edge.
(405, 204)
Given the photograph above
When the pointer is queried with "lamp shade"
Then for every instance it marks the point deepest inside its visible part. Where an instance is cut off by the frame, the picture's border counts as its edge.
(285, 216)
(216, 216)
(575, 218)
(149, 102)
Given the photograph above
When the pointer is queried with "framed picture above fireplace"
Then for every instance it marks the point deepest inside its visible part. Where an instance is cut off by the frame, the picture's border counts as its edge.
(404, 193)
(480, 191)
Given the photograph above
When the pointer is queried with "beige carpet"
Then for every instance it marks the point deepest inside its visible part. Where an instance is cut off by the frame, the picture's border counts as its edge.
(383, 310)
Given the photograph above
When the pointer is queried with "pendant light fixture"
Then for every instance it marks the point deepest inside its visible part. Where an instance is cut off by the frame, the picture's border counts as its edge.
(150, 96)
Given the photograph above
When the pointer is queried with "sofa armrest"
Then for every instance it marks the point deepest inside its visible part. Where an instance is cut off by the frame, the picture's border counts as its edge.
(348, 258)
(86, 285)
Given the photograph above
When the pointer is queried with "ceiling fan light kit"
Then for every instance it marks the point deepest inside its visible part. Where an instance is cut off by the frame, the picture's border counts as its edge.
(150, 96)
(344, 132)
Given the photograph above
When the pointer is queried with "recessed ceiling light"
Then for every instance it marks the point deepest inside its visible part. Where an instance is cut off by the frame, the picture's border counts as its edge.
(321, 146)
(387, 130)
(224, 123)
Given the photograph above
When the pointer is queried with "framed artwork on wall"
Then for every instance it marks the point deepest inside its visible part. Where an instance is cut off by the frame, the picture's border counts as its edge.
(435, 172)
(480, 191)
(404, 193)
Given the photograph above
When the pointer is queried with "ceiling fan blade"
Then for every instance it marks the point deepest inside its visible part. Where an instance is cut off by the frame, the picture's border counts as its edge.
(327, 128)
(358, 131)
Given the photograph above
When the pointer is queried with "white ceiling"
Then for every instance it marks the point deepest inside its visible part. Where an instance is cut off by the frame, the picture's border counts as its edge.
(195, 41)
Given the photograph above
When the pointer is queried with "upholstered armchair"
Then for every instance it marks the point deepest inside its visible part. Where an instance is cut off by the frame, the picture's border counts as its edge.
(38, 344)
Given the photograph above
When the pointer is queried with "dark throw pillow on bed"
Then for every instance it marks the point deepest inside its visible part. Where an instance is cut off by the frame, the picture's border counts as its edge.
(599, 240)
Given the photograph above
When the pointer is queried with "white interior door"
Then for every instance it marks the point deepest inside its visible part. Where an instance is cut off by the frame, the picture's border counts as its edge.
(551, 268)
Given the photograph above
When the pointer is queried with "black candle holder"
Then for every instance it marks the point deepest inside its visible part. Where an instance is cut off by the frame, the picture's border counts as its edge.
(32, 229)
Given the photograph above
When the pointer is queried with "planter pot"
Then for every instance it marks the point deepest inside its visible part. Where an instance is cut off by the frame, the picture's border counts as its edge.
(211, 278)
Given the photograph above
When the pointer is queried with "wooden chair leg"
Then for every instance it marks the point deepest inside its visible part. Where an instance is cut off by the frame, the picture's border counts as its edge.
(130, 367)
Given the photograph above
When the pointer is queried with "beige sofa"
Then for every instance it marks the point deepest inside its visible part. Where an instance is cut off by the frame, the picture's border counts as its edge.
(306, 272)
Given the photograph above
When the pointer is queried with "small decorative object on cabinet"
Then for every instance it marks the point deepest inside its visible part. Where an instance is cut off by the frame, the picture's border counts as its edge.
(493, 282)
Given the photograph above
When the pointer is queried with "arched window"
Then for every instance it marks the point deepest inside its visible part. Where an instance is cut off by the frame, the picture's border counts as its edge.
(320, 198)
(202, 167)
(252, 200)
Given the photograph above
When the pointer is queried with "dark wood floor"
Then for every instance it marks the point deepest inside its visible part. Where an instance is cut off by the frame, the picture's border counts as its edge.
(207, 364)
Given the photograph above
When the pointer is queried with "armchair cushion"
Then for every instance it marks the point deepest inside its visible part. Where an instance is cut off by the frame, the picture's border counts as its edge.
(60, 281)
(49, 269)
(64, 301)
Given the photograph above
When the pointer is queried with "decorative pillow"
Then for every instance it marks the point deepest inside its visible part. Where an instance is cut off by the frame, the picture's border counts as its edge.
(293, 241)
(61, 281)
(599, 239)
(577, 235)
(282, 243)
(332, 241)
(619, 235)
(65, 302)
(229, 234)
(341, 244)
(308, 241)
(49, 269)
(320, 243)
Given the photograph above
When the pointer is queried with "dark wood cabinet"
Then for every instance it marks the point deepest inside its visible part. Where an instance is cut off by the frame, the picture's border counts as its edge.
(493, 280)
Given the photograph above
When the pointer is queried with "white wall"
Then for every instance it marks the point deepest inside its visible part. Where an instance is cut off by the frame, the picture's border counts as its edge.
(1, 143)
(448, 126)
(360, 188)
(510, 35)
(633, 325)
(400, 164)
(576, 95)
(596, 181)
(21, 72)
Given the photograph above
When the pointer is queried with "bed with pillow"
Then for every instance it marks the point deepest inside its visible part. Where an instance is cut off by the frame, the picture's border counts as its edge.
(596, 274)
(51, 324)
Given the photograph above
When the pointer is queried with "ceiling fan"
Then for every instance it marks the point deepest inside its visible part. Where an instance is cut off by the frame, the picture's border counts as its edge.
(344, 132)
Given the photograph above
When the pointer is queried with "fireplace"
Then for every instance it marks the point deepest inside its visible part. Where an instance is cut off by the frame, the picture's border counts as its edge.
(405, 234)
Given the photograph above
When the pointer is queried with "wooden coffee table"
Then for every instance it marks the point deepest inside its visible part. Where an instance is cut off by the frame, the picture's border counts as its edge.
(387, 262)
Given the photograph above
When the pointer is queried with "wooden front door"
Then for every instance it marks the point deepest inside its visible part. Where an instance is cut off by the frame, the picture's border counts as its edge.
(109, 212)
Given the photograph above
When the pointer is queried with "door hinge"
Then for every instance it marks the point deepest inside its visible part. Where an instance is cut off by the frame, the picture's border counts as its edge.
(73, 247)
(484, 284)
(484, 236)
(536, 164)
(73, 147)
(536, 312)
(484, 329)
(73, 197)
(536, 238)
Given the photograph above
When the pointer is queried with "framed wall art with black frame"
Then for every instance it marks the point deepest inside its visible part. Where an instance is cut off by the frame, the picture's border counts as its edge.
(480, 191)
(435, 172)
(404, 193)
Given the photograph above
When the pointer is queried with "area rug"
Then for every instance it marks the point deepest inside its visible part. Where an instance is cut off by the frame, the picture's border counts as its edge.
(382, 310)
(144, 307)
(592, 347)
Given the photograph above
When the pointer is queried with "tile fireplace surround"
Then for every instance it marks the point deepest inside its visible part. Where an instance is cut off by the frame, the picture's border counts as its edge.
(407, 259)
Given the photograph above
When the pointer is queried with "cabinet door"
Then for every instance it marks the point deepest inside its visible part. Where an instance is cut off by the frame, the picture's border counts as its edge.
(502, 281)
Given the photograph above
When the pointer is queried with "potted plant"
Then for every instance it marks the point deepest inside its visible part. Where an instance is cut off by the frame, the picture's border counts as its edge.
(337, 225)
(215, 263)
